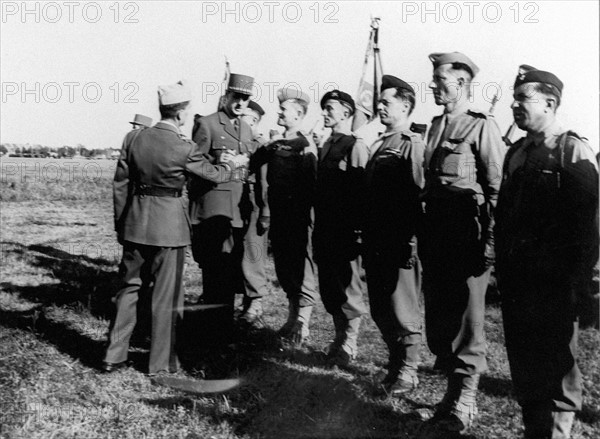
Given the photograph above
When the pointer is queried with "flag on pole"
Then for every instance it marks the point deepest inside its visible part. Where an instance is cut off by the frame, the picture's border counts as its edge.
(224, 84)
(368, 89)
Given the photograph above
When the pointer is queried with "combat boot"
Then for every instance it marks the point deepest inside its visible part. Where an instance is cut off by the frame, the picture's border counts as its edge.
(345, 346)
(402, 376)
(300, 331)
(286, 330)
(542, 423)
(458, 409)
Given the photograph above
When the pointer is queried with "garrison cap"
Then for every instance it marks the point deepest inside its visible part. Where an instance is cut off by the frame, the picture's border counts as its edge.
(252, 105)
(389, 81)
(174, 94)
(343, 98)
(439, 59)
(240, 84)
(535, 75)
(283, 94)
(140, 119)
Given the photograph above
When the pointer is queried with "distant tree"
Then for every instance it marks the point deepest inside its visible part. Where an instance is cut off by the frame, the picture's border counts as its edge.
(3, 149)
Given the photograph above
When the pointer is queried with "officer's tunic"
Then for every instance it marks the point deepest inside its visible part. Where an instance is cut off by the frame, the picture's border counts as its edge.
(151, 218)
(291, 177)
(547, 244)
(394, 178)
(463, 162)
(338, 211)
(216, 214)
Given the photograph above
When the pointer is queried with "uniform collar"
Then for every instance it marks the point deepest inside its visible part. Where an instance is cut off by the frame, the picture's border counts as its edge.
(546, 137)
(165, 124)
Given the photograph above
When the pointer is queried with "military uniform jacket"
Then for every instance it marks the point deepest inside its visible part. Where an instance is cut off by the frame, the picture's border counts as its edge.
(339, 199)
(394, 178)
(464, 154)
(158, 160)
(214, 135)
(547, 210)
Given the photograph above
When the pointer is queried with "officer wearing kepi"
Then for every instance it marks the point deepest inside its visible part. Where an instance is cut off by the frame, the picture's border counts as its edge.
(547, 245)
(152, 224)
(338, 210)
(291, 176)
(463, 161)
(218, 230)
(394, 178)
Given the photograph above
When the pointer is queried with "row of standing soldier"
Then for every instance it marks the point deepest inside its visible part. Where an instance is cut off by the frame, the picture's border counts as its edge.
(376, 203)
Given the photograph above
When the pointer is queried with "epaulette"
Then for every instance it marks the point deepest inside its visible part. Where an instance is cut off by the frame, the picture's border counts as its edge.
(185, 138)
(479, 114)
(411, 134)
(577, 136)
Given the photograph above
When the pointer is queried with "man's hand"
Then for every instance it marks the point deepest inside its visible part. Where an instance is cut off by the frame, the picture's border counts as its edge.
(234, 160)
(263, 224)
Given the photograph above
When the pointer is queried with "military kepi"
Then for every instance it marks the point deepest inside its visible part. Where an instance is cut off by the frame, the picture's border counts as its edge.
(240, 84)
(439, 59)
(389, 81)
(140, 119)
(535, 75)
(342, 97)
(174, 94)
(255, 107)
(283, 94)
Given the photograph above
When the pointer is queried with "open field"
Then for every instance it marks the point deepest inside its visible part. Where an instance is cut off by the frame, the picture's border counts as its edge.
(59, 258)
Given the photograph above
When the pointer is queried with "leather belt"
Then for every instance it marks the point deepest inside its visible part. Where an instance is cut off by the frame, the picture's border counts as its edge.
(156, 191)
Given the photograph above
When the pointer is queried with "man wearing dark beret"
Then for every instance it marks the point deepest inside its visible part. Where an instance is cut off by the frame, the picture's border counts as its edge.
(463, 162)
(546, 246)
(338, 209)
(394, 178)
(152, 224)
(255, 212)
(218, 226)
(291, 176)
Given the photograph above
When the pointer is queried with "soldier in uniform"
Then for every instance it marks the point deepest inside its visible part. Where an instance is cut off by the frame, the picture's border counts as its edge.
(218, 227)
(547, 245)
(152, 224)
(338, 209)
(291, 177)
(463, 162)
(394, 178)
(256, 220)
(140, 121)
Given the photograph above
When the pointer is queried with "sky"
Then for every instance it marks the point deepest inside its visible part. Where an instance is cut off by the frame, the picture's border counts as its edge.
(77, 72)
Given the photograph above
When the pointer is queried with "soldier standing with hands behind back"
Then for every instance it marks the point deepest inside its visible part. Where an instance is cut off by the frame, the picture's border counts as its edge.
(463, 162)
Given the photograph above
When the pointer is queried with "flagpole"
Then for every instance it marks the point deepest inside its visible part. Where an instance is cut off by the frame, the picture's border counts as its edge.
(376, 61)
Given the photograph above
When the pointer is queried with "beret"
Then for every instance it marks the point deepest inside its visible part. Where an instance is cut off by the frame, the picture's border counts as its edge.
(283, 94)
(252, 105)
(174, 94)
(534, 75)
(140, 119)
(439, 59)
(240, 83)
(389, 81)
(341, 97)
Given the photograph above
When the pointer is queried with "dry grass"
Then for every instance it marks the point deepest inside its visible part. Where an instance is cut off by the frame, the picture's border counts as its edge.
(59, 263)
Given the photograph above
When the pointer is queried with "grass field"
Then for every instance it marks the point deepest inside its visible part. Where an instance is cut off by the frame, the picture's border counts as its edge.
(59, 261)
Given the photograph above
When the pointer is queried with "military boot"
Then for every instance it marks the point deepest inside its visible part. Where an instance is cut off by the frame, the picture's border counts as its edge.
(345, 346)
(286, 330)
(542, 423)
(300, 331)
(253, 310)
(458, 408)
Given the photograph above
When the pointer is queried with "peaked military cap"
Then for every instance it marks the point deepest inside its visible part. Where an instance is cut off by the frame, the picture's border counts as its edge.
(283, 94)
(240, 84)
(174, 94)
(252, 105)
(535, 75)
(340, 96)
(439, 59)
(389, 81)
(140, 119)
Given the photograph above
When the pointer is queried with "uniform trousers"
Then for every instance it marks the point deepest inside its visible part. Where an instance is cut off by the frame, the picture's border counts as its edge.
(255, 254)
(141, 265)
(341, 287)
(394, 301)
